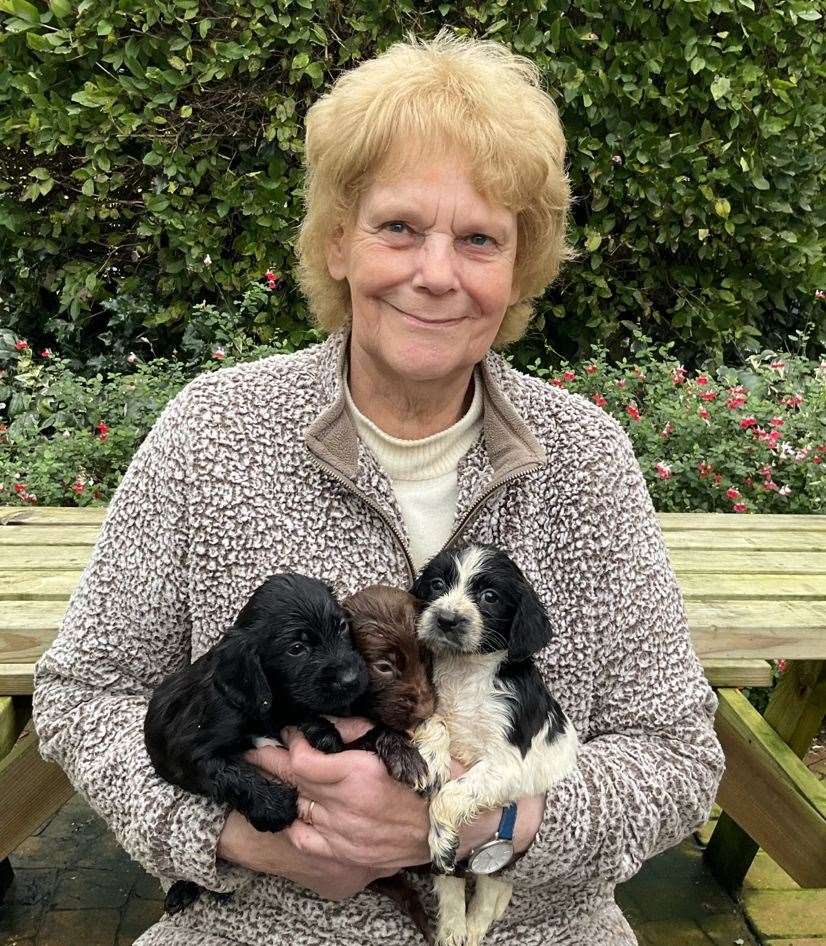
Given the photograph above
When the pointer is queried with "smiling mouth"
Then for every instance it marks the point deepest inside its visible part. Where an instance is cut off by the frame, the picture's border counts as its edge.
(420, 321)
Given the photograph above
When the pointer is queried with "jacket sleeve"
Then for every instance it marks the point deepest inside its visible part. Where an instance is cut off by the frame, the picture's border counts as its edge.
(127, 626)
(650, 764)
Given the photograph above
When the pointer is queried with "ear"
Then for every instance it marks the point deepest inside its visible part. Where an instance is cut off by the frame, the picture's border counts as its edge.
(531, 627)
(240, 679)
(335, 255)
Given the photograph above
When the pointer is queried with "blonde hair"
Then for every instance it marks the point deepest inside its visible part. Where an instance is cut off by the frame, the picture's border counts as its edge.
(450, 94)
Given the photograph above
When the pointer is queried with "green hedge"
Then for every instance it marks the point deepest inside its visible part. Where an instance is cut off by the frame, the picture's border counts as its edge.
(154, 149)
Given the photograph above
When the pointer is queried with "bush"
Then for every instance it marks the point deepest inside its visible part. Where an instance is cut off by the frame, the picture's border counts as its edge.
(747, 439)
(154, 150)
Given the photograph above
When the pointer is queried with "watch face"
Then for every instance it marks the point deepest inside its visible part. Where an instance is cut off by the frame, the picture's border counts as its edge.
(492, 857)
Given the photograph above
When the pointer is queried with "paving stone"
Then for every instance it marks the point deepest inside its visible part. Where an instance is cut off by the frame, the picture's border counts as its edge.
(20, 920)
(31, 886)
(789, 913)
(87, 888)
(138, 916)
(725, 929)
(795, 941)
(79, 928)
(665, 933)
(75, 817)
(147, 887)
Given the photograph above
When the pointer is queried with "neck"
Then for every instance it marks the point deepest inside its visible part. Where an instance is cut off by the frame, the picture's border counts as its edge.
(409, 410)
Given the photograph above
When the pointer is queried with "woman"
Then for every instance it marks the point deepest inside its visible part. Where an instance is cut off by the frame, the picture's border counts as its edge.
(436, 210)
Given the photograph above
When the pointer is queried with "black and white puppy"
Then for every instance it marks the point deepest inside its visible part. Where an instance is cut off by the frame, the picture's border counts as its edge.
(483, 622)
(287, 659)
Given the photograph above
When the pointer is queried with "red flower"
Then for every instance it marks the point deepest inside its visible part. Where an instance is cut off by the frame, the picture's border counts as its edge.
(735, 401)
(21, 345)
(633, 411)
(272, 279)
(733, 493)
(707, 395)
(569, 375)
(219, 354)
(663, 470)
(704, 469)
(46, 353)
(718, 478)
(777, 365)
(703, 413)
(78, 486)
(20, 488)
(748, 481)
(746, 422)
(776, 421)
(591, 369)
(667, 430)
(557, 382)
(599, 400)
(701, 379)
(740, 507)
(103, 430)
(620, 382)
(793, 400)
(678, 375)
(817, 459)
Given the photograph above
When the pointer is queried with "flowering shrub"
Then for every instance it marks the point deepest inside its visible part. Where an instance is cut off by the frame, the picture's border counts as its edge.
(723, 439)
(744, 439)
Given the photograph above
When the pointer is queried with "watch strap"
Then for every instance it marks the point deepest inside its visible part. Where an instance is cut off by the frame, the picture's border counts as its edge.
(507, 823)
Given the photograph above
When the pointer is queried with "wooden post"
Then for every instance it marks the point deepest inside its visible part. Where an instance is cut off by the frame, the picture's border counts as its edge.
(796, 710)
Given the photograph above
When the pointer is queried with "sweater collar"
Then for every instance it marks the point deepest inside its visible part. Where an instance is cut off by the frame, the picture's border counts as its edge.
(510, 444)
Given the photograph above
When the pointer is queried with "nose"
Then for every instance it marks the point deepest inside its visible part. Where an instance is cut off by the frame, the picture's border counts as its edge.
(349, 677)
(435, 271)
(448, 621)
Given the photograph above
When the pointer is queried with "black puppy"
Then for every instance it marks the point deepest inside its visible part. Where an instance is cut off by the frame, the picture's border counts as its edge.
(287, 659)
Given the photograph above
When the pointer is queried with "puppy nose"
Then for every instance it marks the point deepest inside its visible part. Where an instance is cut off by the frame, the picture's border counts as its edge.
(349, 677)
(448, 621)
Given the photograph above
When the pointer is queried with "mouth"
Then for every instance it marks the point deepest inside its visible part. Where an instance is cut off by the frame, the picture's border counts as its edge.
(426, 323)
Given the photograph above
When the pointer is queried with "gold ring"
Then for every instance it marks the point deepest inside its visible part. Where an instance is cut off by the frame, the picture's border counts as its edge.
(309, 816)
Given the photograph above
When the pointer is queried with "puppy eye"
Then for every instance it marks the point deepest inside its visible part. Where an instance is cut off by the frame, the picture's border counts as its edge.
(489, 596)
(384, 668)
(343, 626)
(297, 649)
(437, 586)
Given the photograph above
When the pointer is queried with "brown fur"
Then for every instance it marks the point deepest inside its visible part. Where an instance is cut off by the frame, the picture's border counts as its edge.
(383, 623)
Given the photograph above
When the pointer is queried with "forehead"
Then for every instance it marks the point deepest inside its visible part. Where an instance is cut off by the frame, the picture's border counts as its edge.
(434, 187)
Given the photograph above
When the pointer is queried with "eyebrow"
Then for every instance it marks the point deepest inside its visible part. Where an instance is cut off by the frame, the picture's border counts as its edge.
(399, 211)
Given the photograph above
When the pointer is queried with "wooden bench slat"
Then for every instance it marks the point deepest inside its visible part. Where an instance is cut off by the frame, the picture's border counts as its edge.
(767, 789)
(52, 515)
(769, 587)
(737, 673)
(756, 522)
(37, 586)
(49, 558)
(52, 535)
(727, 540)
(701, 561)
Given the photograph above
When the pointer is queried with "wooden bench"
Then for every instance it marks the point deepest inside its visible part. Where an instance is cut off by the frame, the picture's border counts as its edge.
(755, 589)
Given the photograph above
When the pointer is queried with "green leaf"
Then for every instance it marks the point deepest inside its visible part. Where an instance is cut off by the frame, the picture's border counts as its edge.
(152, 158)
(186, 111)
(760, 182)
(177, 63)
(722, 207)
(301, 61)
(720, 87)
(88, 187)
(808, 14)
(204, 27)
(60, 8)
(22, 8)
(593, 241)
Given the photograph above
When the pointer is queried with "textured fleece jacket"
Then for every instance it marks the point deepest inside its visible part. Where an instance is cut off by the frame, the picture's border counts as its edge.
(256, 469)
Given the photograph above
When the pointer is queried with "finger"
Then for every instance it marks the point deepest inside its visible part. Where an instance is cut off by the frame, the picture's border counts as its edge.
(351, 727)
(274, 762)
(310, 765)
(312, 812)
(307, 839)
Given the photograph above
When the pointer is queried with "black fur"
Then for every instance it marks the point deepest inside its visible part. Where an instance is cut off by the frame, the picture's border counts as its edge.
(288, 658)
(532, 705)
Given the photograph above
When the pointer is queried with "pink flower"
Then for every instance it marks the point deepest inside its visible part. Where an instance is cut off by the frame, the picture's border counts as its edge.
(557, 382)
(733, 493)
(707, 395)
(703, 413)
(633, 411)
(569, 375)
(678, 375)
(599, 400)
(781, 665)
(21, 345)
(701, 379)
(784, 490)
(46, 353)
(219, 354)
(746, 422)
(591, 369)
(78, 486)
(103, 430)
(793, 400)
(663, 470)
(704, 469)
(777, 365)
(620, 382)
(718, 478)
(272, 279)
(667, 430)
(740, 507)
(736, 400)
(776, 421)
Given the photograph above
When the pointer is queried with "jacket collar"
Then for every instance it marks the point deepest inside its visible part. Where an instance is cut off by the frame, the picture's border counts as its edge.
(510, 444)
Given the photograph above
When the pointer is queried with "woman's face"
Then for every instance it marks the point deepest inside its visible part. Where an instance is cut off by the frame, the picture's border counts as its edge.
(430, 265)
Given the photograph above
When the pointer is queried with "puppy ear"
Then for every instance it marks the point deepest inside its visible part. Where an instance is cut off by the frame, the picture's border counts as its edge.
(531, 628)
(240, 679)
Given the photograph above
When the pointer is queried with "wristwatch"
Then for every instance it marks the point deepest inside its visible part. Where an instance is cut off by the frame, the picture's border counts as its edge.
(497, 853)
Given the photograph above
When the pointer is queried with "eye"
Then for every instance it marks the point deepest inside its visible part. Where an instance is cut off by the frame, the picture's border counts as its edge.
(297, 649)
(437, 586)
(488, 241)
(384, 668)
(489, 596)
(343, 627)
(396, 226)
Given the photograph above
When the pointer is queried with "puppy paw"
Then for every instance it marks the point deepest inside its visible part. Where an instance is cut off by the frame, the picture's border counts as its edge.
(401, 759)
(443, 843)
(180, 895)
(273, 812)
(323, 736)
(451, 929)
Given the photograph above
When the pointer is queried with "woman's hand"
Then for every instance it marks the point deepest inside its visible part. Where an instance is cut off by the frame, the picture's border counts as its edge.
(361, 816)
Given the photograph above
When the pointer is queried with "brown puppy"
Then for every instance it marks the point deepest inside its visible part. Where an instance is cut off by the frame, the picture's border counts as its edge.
(399, 697)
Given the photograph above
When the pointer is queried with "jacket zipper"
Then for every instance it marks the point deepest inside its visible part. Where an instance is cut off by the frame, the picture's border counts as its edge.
(373, 505)
(388, 522)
